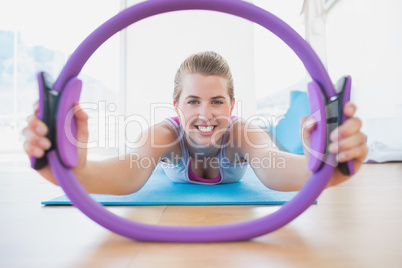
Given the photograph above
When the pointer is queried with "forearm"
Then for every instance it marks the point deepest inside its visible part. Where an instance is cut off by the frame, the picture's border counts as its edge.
(289, 173)
(120, 177)
(112, 176)
(294, 174)
(277, 170)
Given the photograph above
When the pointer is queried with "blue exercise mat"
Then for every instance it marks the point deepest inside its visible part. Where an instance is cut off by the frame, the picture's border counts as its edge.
(159, 190)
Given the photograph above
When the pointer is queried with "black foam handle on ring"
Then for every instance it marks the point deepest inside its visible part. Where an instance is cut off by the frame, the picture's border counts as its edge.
(328, 114)
(343, 88)
(48, 100)
(335, 116)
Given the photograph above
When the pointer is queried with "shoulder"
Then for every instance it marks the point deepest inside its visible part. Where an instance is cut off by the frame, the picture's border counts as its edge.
(163, 133)
(165, 140)
(164, 127)
(157, 141)
(241, 128)
(246, 135)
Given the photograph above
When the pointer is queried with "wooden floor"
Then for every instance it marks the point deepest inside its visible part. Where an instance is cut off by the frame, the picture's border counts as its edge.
(357, 224)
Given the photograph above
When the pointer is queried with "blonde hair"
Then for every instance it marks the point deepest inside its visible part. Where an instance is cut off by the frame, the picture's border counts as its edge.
(205, 63)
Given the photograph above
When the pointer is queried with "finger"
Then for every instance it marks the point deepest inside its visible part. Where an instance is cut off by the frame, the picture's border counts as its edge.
(308, 123)
(79, 113)
(27, 132)
(33, 150)
(82, 123)
(35, 140)
(38, 126)
(357, 153)
(303, 119)
(349, 109)
(348, 128)
(347, 143)
(30, 118)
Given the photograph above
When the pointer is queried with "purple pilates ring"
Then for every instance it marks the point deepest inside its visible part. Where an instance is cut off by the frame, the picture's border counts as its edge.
(212, 233)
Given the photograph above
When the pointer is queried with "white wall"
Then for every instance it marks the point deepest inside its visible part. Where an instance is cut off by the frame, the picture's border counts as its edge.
(364, 39)
(156, 46)
(277, 66)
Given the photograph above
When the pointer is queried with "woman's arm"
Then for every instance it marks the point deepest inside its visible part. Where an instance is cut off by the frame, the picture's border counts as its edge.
(113, 176)
(288, 172)
(126, 175)
(277, 170)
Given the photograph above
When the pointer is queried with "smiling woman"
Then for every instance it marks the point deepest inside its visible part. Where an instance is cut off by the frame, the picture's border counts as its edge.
(204, 101)
(204, 107)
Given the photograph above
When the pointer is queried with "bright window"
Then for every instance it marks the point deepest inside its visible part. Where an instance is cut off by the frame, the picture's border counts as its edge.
(39, 36)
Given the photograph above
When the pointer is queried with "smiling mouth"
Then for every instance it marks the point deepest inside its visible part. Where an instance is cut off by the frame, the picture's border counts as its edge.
(206, 129)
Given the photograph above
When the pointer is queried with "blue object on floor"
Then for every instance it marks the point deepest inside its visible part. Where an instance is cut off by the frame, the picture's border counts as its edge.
(287, 132)
(159, 190)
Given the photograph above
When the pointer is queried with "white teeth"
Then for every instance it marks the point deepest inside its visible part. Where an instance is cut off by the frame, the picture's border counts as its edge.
(205, 129)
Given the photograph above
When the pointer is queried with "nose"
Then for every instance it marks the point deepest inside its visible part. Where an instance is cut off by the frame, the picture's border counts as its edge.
(205, 112)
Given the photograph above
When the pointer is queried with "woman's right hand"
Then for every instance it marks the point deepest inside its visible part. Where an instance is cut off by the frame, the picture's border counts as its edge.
(36, 142)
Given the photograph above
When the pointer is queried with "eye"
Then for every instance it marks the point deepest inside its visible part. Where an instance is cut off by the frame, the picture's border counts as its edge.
(217, 102)
(192, 102)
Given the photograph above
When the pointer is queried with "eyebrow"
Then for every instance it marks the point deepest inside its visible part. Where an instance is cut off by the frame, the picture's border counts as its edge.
(196, 97)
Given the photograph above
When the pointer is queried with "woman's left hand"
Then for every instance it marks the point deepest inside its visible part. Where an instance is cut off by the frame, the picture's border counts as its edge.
(346, 141)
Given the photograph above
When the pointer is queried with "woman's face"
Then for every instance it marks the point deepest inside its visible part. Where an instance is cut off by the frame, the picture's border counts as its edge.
(204, 109)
